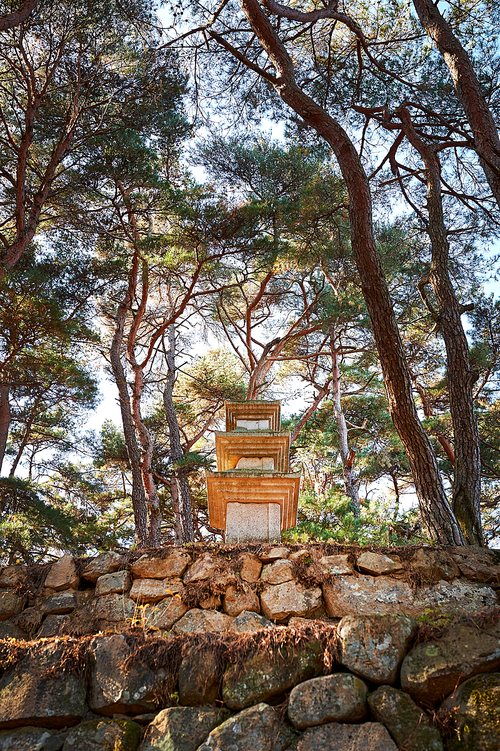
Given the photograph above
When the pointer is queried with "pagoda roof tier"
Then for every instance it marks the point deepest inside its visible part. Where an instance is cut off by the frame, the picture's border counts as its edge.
(253, 411)
(243, 444)
(239, 486)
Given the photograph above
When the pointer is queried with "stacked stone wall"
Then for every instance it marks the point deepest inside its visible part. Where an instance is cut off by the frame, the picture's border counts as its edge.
(255, 647)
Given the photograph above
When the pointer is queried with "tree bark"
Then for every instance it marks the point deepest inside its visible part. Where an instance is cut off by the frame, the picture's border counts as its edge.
(347, 455)
(138, 494)
(437, 516)
(467, 457)
(468, 88)
(10, 20)
(183, 494)
(5, 418)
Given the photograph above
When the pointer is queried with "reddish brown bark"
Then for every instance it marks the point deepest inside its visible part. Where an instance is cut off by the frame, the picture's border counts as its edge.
(436, 513)
(468, 88)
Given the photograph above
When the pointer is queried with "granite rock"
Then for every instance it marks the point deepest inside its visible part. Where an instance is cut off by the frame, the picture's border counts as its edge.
(475, 709)
(251, 566)
(374, 646)
(249, 621)
(200, 677)
(31, 694)
(104, 735)
(63, 575)
(370, 736)
(10, 604)
(280, 601)
(105, 563)
(11, 576)
(406, 722)
(255, 729)
(202, 569)
(161, 568)
(340, 697)
(378, 564)
(432, 670)
(278, 572)
(152, 590)
(270, 672)
(197, 621)
(239, 599)
(114, 688)
(181, 728)
(24, 739)
(116, 582)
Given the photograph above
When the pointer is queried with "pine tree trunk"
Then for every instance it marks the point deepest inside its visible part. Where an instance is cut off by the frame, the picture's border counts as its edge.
(437, 516)
(5, 418)
(138, 495)
(468, 88)
(467, 457)
(347, 455)
(183, 494)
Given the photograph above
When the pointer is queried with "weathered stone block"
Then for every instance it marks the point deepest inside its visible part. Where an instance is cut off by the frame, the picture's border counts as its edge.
(152, 590)
(475, 708)
(31, 694)
(374, 646)
(250, 568)
(114, 688)
(278, 572)
(340, 697)
(432, 670)
(164, 614)
(265, 675)
(202, 569)
(377, 564)
(10, 604)
(253, 522)
(11, 576)
(104, 735)
(280, 601)
(181, 728)
(24, 739)
(434, 565)
(238, 599)
(370, 736)
(116, 582)
(63, 575)
(247, 621)
(161, 568)
(199, 621)
(200, 677)
(274, 554)
(337, 565)
(105, 563)
(255, 728)
(364, 595)
(112, 608)
(408, 724)
(59, 604)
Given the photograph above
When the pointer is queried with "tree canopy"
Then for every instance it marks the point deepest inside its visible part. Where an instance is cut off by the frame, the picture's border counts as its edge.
(338, 267)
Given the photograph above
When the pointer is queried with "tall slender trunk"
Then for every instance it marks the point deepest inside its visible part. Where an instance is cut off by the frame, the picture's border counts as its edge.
(5, 418)
(139, 504)
(182, 491)
(347, 455)
(24, 440)
(147, 446)
(468, 88)
(437, 516)
(467, 459)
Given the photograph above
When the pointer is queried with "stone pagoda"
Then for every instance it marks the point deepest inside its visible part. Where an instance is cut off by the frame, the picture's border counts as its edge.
(253, 495)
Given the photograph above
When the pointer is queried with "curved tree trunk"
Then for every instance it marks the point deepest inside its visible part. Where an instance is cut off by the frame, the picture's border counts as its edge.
(181, 493)
(347, 455)
(468, 88)
(5, 418)
(134, 454)
(437, 516)
(467, 457)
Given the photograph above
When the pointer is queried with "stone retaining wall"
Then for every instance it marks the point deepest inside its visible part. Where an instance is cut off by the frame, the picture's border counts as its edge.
(198, 649)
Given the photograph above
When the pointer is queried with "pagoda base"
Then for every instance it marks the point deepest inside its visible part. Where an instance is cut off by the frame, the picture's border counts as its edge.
(253, 522)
